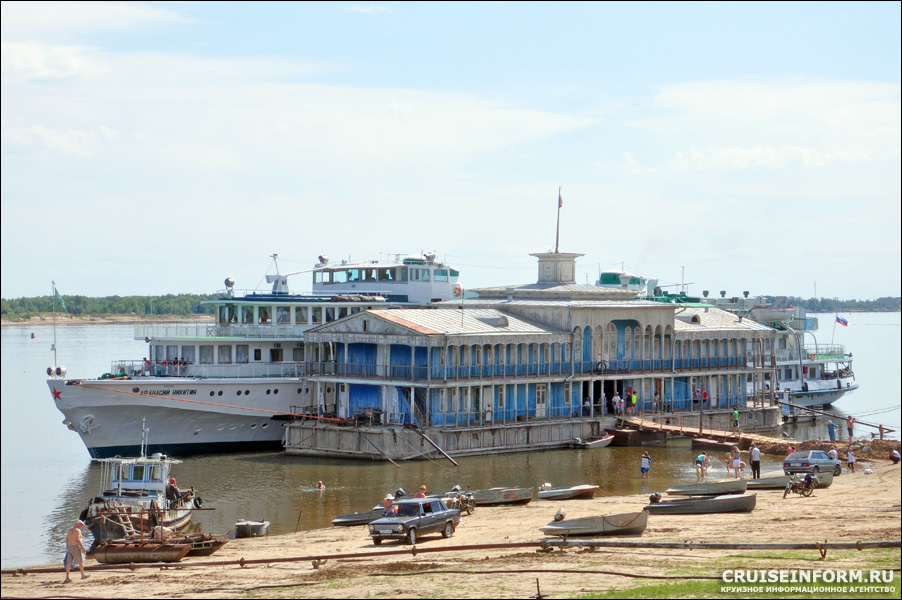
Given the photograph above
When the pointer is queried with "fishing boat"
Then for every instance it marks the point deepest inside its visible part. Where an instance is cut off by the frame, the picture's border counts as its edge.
(250, 529)
(778, 482)
(592, 443)
(704, 505)
(132, 498)
(632, 523)
(710, 488)
(501, 496)
(230, 385)
(576, 492)
(119, 552)
(360, 518)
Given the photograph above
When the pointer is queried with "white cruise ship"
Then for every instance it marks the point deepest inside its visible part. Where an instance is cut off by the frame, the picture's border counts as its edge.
(230, 385)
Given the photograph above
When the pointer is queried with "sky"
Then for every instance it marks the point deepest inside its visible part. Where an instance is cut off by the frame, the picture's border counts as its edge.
(160, 147)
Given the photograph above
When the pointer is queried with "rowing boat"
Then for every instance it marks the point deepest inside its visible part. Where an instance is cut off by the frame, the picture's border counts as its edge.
(704, 505)
(632, 523)
(710, 488)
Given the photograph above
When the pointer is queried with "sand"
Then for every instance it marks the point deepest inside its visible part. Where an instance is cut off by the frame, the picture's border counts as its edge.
(857, 507)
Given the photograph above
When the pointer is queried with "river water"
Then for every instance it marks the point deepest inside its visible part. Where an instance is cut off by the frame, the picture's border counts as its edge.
(47, 476)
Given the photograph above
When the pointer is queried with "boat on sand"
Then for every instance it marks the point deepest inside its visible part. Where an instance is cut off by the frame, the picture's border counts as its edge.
(632, 523)
(576, 492)
(500, 496)
(710, 488)
(704, 505)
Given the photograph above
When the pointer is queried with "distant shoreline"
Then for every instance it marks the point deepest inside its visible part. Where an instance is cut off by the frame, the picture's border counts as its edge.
(66, 320)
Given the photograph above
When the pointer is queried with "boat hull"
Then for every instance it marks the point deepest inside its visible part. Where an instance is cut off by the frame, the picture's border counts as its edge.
(713, 488)
(503, 496)
(633, 523)
(185, 416)
(577, 492)
(778, 482)
(592, 443)
(123, 552)
(250, 529)
(699, 506)
(361, 518)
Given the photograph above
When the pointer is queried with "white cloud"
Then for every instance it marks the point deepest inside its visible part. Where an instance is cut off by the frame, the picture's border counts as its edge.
(29, 20)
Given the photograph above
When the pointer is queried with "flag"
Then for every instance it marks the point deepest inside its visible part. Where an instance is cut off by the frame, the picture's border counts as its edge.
(842, 321)
(560, 201)
(58, 298)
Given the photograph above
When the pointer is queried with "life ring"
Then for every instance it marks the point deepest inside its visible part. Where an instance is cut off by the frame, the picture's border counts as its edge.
(458, 290)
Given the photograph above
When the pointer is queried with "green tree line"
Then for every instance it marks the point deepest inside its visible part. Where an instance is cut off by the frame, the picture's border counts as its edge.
(171, 304)
(884, 304)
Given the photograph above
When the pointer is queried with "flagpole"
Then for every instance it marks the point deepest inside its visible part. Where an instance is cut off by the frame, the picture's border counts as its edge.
(557, 235)
(53, 303)
(832, 335)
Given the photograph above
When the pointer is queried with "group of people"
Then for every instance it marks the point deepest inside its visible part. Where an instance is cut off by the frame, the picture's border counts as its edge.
(626, 404)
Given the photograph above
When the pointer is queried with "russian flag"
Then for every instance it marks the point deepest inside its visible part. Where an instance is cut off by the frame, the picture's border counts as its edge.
(842, 321)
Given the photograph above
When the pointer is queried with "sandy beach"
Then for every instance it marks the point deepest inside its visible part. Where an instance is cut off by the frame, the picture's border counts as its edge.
(857, 507)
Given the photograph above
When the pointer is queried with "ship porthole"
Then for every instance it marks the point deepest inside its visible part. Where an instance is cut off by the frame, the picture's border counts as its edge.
(264, 426)
(220, 427)
(219, 393)
(239, 392)
(276, 391)
(197, 431)
(232, 427)
(253, 426)
(246, 392)
(267, 392)
(212, 393)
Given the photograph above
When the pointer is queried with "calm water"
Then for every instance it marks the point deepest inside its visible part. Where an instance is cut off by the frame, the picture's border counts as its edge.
(47, 476)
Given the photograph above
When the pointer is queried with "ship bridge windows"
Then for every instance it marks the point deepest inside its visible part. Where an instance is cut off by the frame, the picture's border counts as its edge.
(441, 275)
(188, 354)
(283, 314)
(246, 314)
(137, 473)
(301, 315)
(419, 274)
(154, 473)
(263, 315)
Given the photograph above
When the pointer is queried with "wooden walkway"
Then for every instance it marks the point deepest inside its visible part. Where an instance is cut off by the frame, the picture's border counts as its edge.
(692, 430)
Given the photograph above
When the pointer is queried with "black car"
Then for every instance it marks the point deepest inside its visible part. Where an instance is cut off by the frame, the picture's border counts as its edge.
(409, 519)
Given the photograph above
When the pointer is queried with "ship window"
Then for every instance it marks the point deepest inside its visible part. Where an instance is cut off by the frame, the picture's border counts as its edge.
(283, 314)
(300, 314)
(258, 354)
(441, 275)
(154, 473)
(369, 274)
(225, 354)
(247, 314)
(454, 274)
(330, 315)
(297, 354)
(386, 274)
(345, 276)
(172, 352)
(264, 315)
(188, 353)
(241, 353)
(419, 274)
(317, 314)
(342, 312)
(138, 473)
(206, 355)
(401, 274)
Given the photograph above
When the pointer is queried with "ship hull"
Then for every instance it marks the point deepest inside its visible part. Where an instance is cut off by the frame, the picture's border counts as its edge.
(182, 415)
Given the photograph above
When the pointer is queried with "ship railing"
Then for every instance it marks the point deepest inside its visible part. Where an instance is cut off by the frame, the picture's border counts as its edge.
(151, 331)
(177, 368)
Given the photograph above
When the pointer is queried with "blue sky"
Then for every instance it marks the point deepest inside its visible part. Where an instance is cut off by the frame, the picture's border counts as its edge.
(152, 148)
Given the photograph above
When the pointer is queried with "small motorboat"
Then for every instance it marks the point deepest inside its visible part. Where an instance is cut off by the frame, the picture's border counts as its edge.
(592, 443)
(501, 496)
(249, 529)
(632, 523)
(360, 518)
(704, 505)
(710, 488)
(576, 492)
(119, 552)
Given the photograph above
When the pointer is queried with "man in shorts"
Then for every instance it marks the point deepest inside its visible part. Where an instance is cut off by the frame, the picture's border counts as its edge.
(645, 467)
(75, 550)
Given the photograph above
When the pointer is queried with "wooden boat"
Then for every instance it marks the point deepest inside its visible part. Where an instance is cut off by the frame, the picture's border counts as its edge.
(592, 443)
(705, 505)
(710, 488)
(633, 523)
(359, 518)
(247, 529)
(202, 544)
(119, 552)
(576, 492)
(778, 482)
(503, 496)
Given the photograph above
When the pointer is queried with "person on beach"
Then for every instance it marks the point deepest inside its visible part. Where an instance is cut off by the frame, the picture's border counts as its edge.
(75, 550)
(850, 425)
(894, 456)
(831, 430)
(833, 453)
(421, 493)
(755, 459)
(735, 419)
(790, 450)
(645, 467)
(737, 462)
(851, 460)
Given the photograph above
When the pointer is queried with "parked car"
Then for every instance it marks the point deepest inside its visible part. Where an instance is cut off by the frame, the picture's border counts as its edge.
(811, 461)
(410, 519)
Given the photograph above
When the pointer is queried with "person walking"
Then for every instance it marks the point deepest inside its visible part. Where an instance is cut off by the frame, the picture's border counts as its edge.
(645, 466)
(851, 460)
(850, 425)
(75, 550)
(831, 430)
